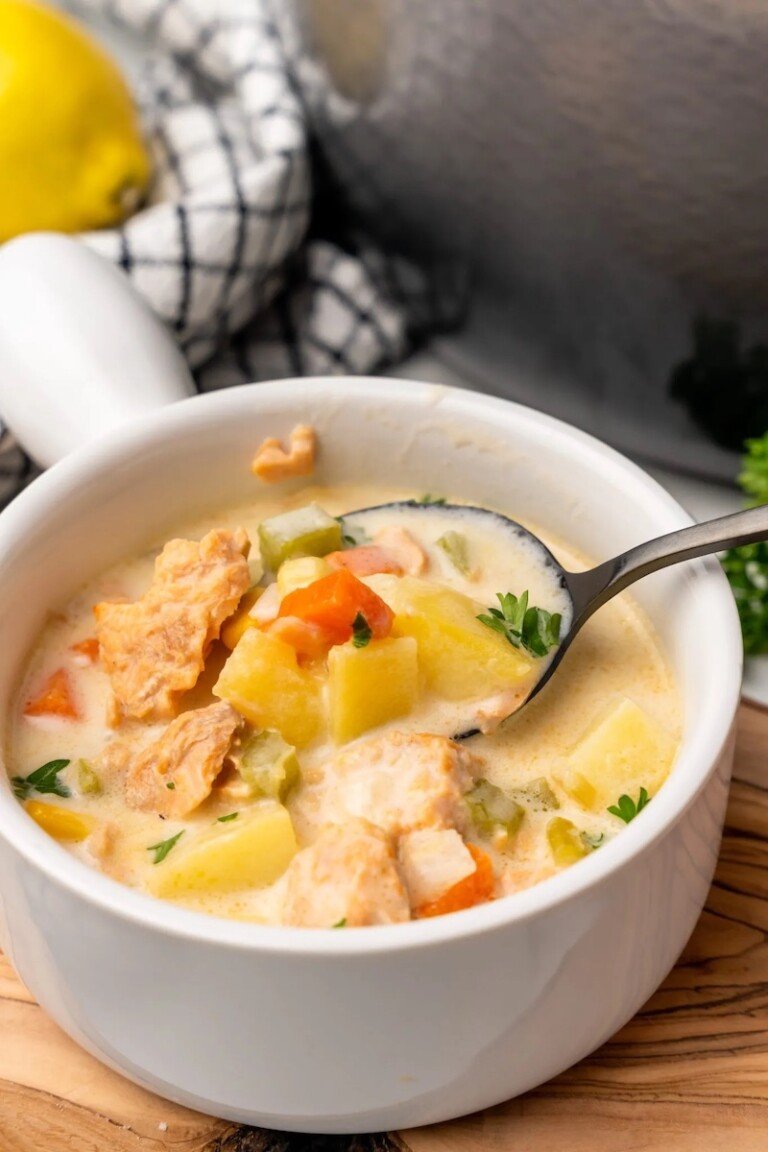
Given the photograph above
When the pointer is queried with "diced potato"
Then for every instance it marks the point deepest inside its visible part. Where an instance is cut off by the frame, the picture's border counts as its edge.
(241, 620)
(565, 842)
(308, 531)
(371, 685)
(269, 766)
(263, 681)
(625, 750)
(460, 657)
(59, 822)
(250, 851)
(300, 572)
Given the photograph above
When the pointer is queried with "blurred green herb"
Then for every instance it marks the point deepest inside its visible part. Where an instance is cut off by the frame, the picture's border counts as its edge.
(747, 567)
(162, 849)
(361, 631)
(44, 780)
(592, 840)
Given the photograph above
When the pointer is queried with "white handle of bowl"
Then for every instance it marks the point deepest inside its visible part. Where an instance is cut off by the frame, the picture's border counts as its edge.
(80, 352)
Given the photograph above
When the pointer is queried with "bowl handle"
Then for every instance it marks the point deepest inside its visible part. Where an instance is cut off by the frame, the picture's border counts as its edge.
(80, 351)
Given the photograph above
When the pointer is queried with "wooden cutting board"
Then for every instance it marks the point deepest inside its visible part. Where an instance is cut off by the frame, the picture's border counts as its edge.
(688, 1074)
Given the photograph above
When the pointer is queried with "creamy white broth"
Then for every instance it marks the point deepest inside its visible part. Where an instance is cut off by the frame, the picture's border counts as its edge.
(617, 655)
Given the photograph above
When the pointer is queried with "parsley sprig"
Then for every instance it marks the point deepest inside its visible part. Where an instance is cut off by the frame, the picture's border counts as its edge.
(534, 629)
(428, 499)
(162, 848)
(361, 631)
(626, 809)
(44, 780)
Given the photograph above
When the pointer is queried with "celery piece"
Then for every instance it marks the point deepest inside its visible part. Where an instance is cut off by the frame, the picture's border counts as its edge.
(270, 765)
(307, 531)
(454, 544)
(538, 795)
(492, 810)
(565, 842)
(88, 782)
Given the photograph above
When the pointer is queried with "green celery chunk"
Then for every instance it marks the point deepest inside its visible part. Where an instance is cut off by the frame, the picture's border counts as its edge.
(492, 810)
(538, 795)
(454, 544)
(88, 782)
(307, 531)
(270, 765)
(565, 842)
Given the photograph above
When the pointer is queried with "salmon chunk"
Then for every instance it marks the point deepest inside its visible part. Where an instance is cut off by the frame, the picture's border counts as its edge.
(175, 773)
(273, 463)
(403, 781)
(405, 550)
(154, 649)
(347, 878)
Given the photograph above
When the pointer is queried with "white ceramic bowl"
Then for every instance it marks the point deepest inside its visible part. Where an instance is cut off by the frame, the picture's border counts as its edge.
(372, 1028)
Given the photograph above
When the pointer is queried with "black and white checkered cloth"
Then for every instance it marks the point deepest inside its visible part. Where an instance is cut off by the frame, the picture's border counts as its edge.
(224, 252)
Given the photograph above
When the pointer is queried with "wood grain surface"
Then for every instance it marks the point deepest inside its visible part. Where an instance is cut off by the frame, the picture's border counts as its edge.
(688, 1074)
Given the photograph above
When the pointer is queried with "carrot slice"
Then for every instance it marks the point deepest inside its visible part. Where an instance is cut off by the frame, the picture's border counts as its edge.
(366, 560)
(477, 888)
(88, 648)
(54, 699)
(333, 602)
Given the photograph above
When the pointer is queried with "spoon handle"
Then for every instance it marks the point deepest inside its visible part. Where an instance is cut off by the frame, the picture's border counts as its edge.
(590, 590)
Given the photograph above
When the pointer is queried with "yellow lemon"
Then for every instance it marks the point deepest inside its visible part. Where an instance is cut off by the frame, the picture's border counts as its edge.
(71, 153)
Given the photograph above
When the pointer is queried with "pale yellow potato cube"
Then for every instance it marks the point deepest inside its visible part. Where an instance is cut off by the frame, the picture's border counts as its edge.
(263, 681)
(371, 685)
(251, 851)
(460, 657)
(624, 750)
(300, 572)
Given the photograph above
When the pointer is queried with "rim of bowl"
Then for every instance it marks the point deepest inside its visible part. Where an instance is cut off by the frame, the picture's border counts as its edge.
(696, 760)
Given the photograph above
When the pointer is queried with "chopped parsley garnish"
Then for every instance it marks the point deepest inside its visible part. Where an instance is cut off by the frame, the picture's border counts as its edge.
(534, 629)
(347, 539)
(592, 840)
(627, 808)
(225, 819)
(361, 631)
(428, 499)
(340, 923)
(170, 785)
(162, 849)
(747, 567)
(44, 780)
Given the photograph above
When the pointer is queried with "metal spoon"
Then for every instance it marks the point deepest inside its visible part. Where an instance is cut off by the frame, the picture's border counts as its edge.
(588, 591)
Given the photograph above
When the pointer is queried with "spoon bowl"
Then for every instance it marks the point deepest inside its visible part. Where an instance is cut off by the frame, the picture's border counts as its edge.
(579, 594)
